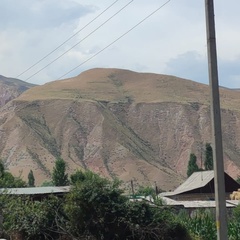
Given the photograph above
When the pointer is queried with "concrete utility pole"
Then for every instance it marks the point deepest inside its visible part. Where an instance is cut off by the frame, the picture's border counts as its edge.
(219, 182)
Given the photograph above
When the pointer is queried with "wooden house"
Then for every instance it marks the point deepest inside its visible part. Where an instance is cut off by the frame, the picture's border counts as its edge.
(200, 186)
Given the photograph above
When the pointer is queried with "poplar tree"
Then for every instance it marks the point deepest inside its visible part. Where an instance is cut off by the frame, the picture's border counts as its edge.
(208, 162)
(59, 177)
(192, 165)
(31, 179)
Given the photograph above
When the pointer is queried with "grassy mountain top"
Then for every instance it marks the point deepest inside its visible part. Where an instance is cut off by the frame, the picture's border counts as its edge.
(118, 85)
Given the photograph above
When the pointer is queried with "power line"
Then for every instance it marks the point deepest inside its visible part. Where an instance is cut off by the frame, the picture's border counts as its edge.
(80, 40)
(67, 39)
(116, 39)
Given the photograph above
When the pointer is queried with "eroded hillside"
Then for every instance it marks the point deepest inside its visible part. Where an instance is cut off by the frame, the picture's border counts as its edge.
(11, 88)
(118, 123)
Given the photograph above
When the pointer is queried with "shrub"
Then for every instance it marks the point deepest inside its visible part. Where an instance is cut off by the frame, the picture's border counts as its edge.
(32, 219)
(97, 208)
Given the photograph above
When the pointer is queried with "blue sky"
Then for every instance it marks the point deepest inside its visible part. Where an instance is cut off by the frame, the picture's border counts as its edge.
(172, 41)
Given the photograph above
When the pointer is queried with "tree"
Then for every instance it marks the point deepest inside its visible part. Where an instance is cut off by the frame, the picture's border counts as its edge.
(1, 169)
(208, 162)
(31, 179)
(146, 191)
(192, 165)
(96, 208)
(77, 177)
(59, 177)
(47, 184)
(238, 179)
(7, 180)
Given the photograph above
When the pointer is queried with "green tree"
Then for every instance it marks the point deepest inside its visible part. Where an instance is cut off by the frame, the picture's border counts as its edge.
(238, 179)
(47, 184)
(208, 161)
(192, 165)
(145, 191)
(59, 177)
(31, 179)
(7, 180)
(77, 177)
(1, 169)
(96, 208)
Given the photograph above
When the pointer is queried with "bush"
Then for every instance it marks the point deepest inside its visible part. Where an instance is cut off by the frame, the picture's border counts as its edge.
(97, 208)
(202, 225)
(94, 208)
(31, 219)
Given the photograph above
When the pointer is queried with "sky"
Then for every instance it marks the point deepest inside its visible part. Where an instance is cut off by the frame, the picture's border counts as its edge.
(171, 41)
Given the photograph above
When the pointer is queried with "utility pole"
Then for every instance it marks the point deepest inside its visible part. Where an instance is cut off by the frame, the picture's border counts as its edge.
(219, 182)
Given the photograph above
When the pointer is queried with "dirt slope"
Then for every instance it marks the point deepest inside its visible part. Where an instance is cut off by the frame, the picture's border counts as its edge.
(119, 123)
(11, 88)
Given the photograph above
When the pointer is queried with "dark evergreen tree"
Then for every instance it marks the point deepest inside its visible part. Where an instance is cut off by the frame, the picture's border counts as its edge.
(192, 165)
(31, 179)
(208, 162)
(1, 169)
(59, 177)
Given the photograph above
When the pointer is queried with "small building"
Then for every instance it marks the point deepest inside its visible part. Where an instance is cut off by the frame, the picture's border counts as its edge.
(36, 193)
(200, 186)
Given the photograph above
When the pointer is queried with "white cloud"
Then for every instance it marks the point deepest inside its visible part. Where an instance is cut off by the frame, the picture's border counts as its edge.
(192, 65)
(38, 14)
(172, 41)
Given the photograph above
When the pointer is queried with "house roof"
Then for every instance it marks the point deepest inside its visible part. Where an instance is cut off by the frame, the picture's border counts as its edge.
(196, 180)
(34, 190)
(198, 204)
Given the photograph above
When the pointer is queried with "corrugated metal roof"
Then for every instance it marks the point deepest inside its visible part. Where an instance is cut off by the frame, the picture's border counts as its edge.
(196, 180)
(34, 190)
(197, 204)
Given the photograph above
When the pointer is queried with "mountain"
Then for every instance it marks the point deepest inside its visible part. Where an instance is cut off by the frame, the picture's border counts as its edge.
(11, 88)
(119, 123)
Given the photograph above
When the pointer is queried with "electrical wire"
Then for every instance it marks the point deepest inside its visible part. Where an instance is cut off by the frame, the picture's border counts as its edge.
(54, 50)
(144, 19)
(80, 40)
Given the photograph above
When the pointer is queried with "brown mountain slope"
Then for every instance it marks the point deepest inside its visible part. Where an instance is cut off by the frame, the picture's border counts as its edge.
(11, 88)
(118, 123)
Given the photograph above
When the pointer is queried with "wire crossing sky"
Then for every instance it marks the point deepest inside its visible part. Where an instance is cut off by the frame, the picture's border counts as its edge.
(68, 39)
(54, 60)
(172, 41)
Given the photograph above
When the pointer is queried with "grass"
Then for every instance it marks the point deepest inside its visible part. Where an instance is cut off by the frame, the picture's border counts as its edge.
(115, 84)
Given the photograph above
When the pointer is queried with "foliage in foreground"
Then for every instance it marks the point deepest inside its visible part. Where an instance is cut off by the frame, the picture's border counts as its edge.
(32, 219)
(202, 225)
(94, 209)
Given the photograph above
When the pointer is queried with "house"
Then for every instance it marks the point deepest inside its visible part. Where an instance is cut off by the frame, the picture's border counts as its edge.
(36, 193)
(197, 192)
(200, 186)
